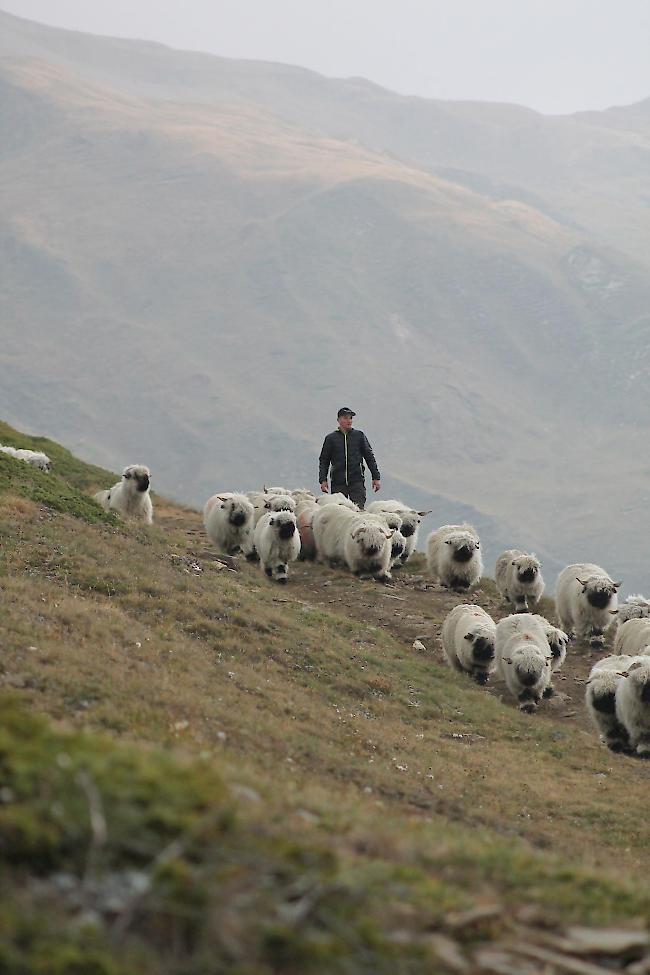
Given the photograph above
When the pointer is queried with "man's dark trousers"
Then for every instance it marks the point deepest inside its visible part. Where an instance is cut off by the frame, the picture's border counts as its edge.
(355, 492)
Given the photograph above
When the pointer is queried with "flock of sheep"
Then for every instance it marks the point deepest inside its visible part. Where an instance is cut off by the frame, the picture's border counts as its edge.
(276, 526)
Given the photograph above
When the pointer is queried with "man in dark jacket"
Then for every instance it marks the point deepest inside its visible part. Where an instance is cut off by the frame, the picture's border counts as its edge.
(345, 450)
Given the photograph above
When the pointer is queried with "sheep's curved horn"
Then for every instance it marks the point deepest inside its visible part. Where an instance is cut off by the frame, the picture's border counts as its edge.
(390, 535)
(581, 582)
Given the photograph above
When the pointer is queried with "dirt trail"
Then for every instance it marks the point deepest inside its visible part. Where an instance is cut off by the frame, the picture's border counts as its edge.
(410, 608)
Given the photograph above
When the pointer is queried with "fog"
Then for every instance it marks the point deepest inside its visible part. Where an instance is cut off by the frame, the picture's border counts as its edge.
(554, 56)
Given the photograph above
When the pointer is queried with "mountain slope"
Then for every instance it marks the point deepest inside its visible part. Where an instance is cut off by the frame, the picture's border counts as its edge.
(328, 798)
(197, 272)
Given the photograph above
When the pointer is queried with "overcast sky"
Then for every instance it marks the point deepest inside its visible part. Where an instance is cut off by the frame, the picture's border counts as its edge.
(552, 55)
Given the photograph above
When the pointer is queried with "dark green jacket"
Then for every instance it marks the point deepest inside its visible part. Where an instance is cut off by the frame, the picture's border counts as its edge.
(346, 453)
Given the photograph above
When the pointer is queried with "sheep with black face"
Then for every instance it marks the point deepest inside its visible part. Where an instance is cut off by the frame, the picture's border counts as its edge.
(359, 540)
(410, 527)
(130, 497)
(633, 704)
(454, 556)
(518, 576)
(585, 597)
(600, 698)
(523, 658)
(277, 542)
(468, 636)
(228, 521)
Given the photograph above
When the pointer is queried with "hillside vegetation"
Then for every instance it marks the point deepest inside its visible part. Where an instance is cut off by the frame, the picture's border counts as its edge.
(202, 771)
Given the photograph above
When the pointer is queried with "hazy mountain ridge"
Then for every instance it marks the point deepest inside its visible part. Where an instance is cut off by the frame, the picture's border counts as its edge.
(210, 280)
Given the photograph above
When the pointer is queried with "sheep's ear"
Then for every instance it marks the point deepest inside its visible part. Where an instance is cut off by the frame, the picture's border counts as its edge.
(624, 673)
(507, 660)
(265, 489)
(447, 541)
(617, 585)
(581, 582)
(423, 514)
(612, 612)
(355, 533)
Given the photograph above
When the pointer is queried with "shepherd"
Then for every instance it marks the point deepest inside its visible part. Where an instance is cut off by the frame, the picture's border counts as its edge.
(345, 450)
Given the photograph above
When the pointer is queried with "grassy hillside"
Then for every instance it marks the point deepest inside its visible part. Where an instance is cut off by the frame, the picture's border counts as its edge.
(202, 771)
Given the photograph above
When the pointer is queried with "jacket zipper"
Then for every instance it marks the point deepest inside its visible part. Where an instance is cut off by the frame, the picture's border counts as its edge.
(345, 437)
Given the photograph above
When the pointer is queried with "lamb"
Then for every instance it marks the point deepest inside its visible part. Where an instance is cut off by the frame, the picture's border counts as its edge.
(585, 597)
(468, 637)
(228, 521)
(519, 578)
(633, 704)
(36, 458)
(632, 636)
(523, 658)
(454, 557)
(411, 521)
(600, 698)
(362, 543)
(263, 503)
(278, 543)
(130, 497)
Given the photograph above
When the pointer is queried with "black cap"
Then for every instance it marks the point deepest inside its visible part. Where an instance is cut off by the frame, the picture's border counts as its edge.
(345, 411)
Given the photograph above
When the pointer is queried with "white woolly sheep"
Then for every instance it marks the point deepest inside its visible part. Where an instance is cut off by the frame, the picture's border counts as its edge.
(276, 490)
(337, 498)
(36, 458)
(362, 543)
(454, 557)
(277, 541)
(632, 636)
(519, 578)
(633, 704)
(411, 521)
(130, 497)
(523, 658)
(635, 607)
(263, 503)
(600, 698)
(393, 522)
(468, 636)
(228, 521)
(302, 494)
(585, 597)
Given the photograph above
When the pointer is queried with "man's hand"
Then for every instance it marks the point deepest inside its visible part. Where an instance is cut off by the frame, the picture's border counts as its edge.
(375, 485)
(323, 487)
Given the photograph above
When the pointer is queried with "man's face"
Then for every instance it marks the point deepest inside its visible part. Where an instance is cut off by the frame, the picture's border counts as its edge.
(345, 422)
